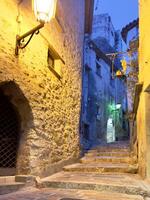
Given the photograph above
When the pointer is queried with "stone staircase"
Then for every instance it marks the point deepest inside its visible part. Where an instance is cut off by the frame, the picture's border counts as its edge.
(108, 169)
(107, 172)
(106, 159)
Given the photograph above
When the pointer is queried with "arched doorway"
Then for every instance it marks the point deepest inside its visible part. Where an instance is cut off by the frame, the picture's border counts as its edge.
(9, 134)
(16, 122)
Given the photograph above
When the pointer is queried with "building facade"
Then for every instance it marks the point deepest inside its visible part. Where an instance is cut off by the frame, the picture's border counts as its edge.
(40, 88)
(143, 111)
(103, 27)
(130, 35)
(102, 91)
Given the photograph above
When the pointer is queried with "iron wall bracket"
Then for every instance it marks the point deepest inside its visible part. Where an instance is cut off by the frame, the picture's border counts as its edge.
(20, 39)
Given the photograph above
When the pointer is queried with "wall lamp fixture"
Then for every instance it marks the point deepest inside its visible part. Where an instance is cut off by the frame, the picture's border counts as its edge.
(44, 11)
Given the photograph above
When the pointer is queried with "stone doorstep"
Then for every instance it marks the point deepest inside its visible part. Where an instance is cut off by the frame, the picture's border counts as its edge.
(27, 179)
(10, 184)
(7, 179)
(17, 178)
(6, 188)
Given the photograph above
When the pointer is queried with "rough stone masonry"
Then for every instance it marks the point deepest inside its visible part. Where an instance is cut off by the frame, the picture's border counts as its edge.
(49, 108)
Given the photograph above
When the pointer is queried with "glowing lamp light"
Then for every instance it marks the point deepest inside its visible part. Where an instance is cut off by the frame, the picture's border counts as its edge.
(44, 10)
(124, 65)
(118, 106)
(118, 73)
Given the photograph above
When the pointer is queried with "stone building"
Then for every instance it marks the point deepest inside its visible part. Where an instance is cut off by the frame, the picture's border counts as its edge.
(130, 34)
(143, 108)
(40, 89)
(101, 90)
(140, 140)
(103, 27)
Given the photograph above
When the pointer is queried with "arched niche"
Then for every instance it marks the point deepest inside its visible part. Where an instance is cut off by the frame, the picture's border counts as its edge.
(14, 100)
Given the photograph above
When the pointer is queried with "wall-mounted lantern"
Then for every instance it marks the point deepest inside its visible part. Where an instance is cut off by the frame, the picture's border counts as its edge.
(44, 11)
(121, 75)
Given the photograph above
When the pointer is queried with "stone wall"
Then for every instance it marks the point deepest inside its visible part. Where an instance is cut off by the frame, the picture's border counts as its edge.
(96, 94)
(143, 115)
(132, 71)
(103, 27)
(50, 138)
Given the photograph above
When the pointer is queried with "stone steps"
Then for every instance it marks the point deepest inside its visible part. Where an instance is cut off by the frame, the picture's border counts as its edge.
(117, 145)
(7, 179)
(113, 183)
(109, 149)
(69, 194)
(6, 188)
(108, 153)
(8, 184)
(108, 159)
(102, 168)
(108, 170)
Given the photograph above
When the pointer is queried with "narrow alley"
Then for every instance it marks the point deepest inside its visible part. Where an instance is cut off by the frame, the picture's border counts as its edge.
(74, 100)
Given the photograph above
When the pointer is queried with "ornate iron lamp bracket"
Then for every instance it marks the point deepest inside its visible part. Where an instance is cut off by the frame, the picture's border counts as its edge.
(20, 39)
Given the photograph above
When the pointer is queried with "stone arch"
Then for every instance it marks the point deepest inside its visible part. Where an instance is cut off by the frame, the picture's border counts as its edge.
(20, 104)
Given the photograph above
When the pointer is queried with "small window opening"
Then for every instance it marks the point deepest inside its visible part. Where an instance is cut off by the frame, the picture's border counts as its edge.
(55, 62)
(98, 69)
(50, 60)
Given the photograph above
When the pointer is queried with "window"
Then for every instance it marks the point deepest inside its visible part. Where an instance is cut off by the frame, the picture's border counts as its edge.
(98, 69)
(55, 62)
(50, 60)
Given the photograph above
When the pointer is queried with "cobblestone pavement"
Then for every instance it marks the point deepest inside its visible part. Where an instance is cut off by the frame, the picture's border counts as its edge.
(61, 194)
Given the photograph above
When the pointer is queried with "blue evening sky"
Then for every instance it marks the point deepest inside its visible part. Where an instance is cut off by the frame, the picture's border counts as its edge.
(122, 12)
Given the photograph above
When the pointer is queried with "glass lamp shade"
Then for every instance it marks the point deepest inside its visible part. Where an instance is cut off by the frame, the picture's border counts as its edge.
(44, 9)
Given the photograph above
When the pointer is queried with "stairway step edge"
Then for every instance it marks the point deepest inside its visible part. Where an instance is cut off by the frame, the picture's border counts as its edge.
(6, 179)
(109, 152)
(129, 189)
(7, 188)
(109, 157)
(12, 184)
(91, 183)
(100, 164)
